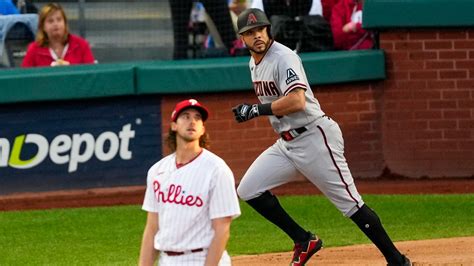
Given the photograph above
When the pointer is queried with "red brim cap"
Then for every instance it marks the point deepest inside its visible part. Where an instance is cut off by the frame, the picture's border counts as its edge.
(190, 103)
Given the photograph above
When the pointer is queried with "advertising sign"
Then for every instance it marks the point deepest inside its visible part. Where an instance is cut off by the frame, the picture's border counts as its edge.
(78, 144)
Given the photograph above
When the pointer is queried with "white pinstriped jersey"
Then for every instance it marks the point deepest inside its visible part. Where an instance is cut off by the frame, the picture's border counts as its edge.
(188, 198)
(278, 73)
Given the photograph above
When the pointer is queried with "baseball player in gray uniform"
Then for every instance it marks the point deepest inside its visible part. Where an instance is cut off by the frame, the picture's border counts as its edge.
(190, 197)
(310, 142)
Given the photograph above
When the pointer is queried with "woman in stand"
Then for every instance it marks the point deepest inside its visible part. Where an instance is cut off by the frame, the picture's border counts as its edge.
(346, 24)
(54, 45)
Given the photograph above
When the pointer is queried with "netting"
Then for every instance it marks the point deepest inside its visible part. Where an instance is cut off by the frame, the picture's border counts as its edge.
(143, 29)
(135, 30)
(122, 30)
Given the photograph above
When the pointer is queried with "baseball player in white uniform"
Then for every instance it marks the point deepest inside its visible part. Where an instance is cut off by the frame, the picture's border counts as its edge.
(190, 197)
(310, 143)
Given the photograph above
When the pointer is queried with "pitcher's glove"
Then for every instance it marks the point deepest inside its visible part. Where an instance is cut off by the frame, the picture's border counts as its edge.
(245, 111)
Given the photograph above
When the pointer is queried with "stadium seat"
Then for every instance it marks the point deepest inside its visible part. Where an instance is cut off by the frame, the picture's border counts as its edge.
(16, 43)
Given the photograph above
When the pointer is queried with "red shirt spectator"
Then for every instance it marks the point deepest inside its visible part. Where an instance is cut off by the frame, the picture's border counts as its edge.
(346, 24)
(54, 45)
(77, 52)
(327, 6)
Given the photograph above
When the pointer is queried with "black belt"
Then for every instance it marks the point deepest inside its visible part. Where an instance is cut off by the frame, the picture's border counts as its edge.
(179, 253)
(292, 133)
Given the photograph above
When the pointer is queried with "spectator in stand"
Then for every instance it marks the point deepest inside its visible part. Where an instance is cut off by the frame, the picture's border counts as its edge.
(218, 11)
(25, 6)
(346, 24)
(237, 6)
(289, 8)
(54, 45)
(7, 8)
(327, 8)
(298, 24)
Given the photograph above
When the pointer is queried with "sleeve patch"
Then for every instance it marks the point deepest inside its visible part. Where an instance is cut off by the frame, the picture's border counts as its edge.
(291, 76)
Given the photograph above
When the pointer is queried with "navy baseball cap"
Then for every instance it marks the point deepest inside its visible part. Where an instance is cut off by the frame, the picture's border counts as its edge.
(190, 103)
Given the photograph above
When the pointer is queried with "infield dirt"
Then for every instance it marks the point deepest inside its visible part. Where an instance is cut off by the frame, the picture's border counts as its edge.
(450, 251)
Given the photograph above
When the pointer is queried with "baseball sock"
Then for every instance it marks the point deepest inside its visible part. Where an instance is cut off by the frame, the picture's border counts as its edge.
(269, 207)
(368, 221)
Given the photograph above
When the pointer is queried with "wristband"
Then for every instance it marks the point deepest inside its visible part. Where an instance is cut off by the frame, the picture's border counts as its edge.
(265, 109)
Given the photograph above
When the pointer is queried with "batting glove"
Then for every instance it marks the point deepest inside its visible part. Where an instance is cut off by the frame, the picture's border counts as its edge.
(244, 112)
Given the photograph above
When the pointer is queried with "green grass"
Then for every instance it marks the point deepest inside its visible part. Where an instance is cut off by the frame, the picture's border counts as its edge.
(112, 235)
(405, 217)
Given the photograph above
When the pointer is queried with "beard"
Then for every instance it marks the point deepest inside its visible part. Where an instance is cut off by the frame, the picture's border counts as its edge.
(258, 51)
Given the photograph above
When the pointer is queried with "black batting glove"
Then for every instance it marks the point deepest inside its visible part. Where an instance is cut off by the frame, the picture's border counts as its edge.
(244, 112)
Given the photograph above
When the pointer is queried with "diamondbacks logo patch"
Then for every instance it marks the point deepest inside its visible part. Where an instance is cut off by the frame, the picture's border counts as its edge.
(291, 76)
(251, 19)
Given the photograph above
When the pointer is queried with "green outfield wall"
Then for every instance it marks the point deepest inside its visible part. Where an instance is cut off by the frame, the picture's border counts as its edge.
(164, 77)
(384, 14)
(66, 83)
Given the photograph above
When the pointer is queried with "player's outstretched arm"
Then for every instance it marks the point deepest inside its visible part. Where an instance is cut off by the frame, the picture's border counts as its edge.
(148, 253)
(221, 228)
(291, 103)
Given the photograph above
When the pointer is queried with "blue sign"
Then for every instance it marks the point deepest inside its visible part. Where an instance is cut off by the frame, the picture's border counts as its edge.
(78, 144)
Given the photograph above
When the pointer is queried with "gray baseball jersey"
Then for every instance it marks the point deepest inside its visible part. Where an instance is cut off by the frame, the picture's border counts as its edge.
(316, 151)
(280, 72)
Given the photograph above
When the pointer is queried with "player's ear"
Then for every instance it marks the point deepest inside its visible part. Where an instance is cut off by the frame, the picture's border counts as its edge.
(174, 126)
(269, 32)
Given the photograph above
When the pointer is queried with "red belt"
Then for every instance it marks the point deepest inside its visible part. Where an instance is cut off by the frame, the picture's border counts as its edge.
(179, 253)
(292, 133)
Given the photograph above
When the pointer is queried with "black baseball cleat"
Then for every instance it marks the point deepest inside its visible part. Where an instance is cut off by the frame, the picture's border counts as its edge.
(303, 251)
(406, 262)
